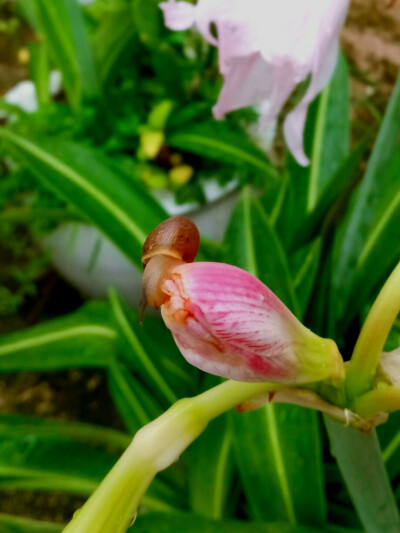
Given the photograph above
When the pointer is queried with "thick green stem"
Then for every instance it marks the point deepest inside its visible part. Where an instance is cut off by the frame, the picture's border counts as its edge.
(370, 343)
(360, 461)
(155, 447)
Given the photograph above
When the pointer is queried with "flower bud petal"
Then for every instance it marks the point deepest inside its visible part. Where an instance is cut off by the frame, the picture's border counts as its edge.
(389, 367)
(226, 322)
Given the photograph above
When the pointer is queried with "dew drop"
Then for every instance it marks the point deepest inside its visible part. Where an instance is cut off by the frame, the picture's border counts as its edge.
(133, 520)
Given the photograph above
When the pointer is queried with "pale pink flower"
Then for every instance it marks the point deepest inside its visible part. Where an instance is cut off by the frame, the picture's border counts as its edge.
(226, 322)
(266, 48)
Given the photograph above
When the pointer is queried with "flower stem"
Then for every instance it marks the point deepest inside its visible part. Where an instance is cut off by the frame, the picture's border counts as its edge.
(360, 461)
(155, 447)
(385, 400)
(373, 335)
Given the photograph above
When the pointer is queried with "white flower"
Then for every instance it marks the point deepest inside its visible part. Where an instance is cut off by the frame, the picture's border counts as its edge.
(266, 48)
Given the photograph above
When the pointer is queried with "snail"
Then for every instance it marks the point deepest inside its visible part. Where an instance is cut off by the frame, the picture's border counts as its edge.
(173, 242)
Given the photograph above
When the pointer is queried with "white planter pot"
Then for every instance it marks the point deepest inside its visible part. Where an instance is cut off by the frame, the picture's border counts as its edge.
(84, 256)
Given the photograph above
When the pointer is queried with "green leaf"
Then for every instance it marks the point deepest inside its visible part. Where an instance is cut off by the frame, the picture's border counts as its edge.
(331, 141)
(38, 462)
(32, 457)
(182, 522)
(326, 141)
(20, 426)
(140, 355)
(307, 262)
(273, 467)
(40, 71)
(252, 244)
(393, 340)
(82, 339)
(389, 438)
(220, 142)
(135, 404)
(82, 48)
(26, 9)
(148, 19)
(113, 43)
(331, 197)
(112, 200)
(17, 524)
(360, 460)
(62, 26)
(381, 250)
(211, 470)
(358, 223)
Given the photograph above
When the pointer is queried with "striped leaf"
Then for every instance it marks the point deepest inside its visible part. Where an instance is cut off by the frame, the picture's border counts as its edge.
(112, 200)
(82, 339)
(272, 466)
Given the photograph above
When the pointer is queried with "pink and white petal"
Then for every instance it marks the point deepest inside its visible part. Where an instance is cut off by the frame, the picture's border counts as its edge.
(178, 15)
(295, 120)
(248, 81)
(235, 40)
(283, 82)
(210, 12)
(226, 322)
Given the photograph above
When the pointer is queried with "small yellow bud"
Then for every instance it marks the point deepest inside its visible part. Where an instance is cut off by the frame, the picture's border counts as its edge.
(181, 174)
(151, 143)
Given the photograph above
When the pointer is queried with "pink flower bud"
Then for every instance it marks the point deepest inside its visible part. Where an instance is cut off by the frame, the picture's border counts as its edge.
(226, 322)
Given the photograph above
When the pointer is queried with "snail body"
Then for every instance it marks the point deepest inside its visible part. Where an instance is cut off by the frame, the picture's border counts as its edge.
(173, 242)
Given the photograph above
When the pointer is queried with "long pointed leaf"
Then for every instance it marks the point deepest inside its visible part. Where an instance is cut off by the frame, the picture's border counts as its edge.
(17, 524)
(327, 143)
(381, 250)
(218, 141)
(63, 29)
(35, 459)
(278, 451)
(252, 244)
(211, 470)
(113, 201)
(363, 210)
(273, 467)
(143, 361)
(82, 339)
(331, 141)
(135, 405)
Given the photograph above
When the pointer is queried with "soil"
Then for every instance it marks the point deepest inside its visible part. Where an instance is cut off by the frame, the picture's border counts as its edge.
(371, 42)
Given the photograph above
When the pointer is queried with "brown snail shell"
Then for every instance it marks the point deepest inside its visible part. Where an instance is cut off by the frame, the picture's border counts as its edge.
(173, 242)
(176, 237)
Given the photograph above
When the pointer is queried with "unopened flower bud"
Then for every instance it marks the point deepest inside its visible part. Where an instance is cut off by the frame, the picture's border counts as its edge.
(226, 322)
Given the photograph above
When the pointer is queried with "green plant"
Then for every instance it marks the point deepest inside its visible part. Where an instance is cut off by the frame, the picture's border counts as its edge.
(323, 241)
